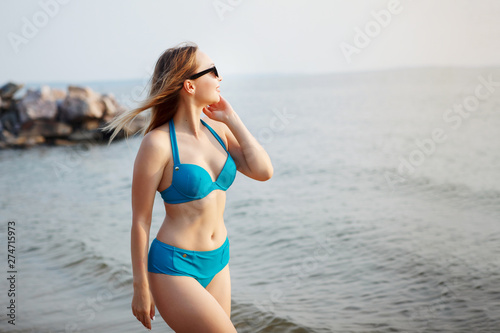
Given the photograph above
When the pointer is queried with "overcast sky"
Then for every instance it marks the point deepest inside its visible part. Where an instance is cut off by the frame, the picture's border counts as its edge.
(77, 40)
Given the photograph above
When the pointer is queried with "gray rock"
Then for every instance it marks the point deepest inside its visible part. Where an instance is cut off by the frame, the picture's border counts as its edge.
(37, 104)
(58, 94)
(112, 107)
(8, 104)
(81, 103)
(90, 124)
(64, 142)
(8, 90)
(46, 128)
(53, 116)
(9, 121)
(79, 135)
(21, 141)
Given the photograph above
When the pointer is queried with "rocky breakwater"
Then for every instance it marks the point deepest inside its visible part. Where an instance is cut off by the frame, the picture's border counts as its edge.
(57, 117)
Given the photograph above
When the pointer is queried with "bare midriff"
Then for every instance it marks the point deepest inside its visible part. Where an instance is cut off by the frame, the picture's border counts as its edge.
(196, 225)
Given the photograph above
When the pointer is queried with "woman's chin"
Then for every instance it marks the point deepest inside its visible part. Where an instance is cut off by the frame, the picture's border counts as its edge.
(215, 99)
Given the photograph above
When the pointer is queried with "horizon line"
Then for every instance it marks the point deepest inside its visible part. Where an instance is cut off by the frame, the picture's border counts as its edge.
(265, 74)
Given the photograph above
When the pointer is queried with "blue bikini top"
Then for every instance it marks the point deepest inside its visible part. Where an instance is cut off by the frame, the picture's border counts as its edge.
(192, 182)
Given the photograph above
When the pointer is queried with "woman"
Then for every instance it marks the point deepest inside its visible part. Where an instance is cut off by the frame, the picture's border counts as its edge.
(191, 162)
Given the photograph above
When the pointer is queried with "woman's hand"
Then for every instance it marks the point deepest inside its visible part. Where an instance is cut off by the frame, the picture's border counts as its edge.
(250, 157)
(143, 306)
(220, 111)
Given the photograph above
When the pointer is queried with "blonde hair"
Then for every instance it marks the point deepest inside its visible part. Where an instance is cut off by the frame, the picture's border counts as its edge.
(171, 70)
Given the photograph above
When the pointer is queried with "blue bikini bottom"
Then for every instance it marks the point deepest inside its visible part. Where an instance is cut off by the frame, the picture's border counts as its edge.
(201, 265)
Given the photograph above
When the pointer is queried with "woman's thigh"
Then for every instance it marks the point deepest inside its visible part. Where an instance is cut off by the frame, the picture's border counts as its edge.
(220, 289)
(186, 306)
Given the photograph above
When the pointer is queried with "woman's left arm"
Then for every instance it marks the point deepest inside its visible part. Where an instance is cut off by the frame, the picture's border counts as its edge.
(250, 157)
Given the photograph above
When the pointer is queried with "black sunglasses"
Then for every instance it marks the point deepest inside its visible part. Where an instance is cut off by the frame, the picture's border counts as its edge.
(206, 71)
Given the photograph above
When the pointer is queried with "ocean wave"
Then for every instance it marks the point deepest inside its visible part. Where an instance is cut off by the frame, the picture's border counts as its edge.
(248, 318)
(458, 194)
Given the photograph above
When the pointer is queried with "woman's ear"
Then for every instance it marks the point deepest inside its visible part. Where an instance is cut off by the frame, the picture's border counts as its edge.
(188, 86)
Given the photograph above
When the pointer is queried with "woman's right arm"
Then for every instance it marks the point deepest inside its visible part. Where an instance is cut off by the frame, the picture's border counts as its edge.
(148, 170)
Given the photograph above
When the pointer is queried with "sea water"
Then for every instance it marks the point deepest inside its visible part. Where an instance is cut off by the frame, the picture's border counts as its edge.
(382, 215)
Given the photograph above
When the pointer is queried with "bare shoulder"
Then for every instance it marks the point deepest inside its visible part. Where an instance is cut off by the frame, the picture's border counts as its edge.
(155, 146)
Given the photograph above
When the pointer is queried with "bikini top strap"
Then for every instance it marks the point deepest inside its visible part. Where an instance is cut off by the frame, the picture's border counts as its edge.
(215, 134)
(173, 141)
